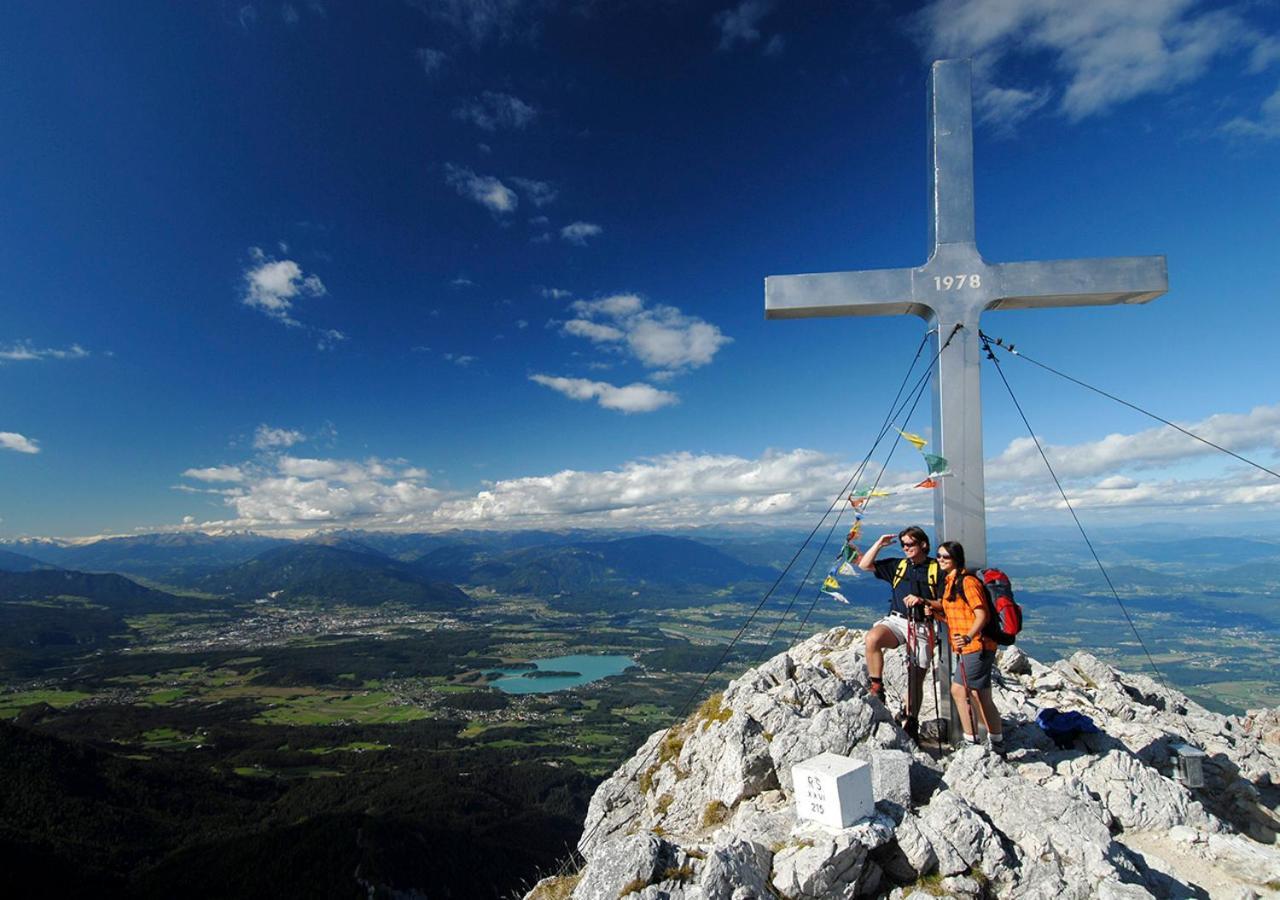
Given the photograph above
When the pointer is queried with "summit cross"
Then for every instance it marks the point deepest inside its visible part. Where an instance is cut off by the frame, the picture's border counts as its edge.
(951, 291)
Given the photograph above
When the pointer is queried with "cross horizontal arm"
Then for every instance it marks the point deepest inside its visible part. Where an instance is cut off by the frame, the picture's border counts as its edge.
(875, 292)
(1080, 282)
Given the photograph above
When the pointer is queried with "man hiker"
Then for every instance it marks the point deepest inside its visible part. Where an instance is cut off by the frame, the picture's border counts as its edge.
(913, 579)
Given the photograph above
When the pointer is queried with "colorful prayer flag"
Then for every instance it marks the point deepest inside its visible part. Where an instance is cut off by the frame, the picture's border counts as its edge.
(937, 465)
(846, 568)
(927, 483)
(836, 595)
(915, 439)
(831, 584)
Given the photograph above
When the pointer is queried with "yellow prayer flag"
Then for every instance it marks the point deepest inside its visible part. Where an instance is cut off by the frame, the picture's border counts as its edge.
(915, 439)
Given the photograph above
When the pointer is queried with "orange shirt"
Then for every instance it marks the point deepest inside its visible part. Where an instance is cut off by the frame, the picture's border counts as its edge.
(959, 611)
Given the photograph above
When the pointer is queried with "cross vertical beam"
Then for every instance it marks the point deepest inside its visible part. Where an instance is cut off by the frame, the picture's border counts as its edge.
(950, 292)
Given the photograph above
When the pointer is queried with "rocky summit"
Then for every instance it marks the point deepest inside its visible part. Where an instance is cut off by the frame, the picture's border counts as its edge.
(706, 809)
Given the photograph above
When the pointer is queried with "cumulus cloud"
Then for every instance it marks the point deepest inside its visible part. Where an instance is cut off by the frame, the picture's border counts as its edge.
(555, 293)
(1154, 447)
(660, 337)
(430, 60)
(741, 24)
(486, 190)
(11, 440)
(675, 489)
(631, 398)
(578, 232)
(268, 438)
(1108, 52)
(493, 110)
(272, 286)
(1137, 499)
(25, 351)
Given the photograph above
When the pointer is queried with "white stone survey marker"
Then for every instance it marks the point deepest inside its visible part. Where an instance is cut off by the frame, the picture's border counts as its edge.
(833, 790)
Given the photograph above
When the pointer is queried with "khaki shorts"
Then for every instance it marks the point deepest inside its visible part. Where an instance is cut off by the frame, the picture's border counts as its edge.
(898, 626)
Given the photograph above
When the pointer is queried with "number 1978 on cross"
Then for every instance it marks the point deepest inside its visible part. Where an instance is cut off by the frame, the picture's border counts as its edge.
(956, 282)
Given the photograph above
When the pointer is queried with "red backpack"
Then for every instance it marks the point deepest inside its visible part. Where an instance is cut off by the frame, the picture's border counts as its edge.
(1003, 627)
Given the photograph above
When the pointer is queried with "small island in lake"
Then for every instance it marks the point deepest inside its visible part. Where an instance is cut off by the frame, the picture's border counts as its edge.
(551, 673)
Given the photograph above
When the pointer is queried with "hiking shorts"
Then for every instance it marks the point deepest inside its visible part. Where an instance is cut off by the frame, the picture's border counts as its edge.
(898, 625)
(976, 671)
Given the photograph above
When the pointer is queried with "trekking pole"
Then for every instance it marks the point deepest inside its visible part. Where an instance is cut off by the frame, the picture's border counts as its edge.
(934, 658)
(969, 696)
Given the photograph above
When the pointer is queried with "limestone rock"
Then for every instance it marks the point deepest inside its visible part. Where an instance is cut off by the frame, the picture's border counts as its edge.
(633, 862)
(1013, 661)
(705, 811)
(737, 870)
(817, 864)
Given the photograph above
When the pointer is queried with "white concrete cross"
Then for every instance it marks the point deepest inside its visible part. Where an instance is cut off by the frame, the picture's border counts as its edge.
(953, 288)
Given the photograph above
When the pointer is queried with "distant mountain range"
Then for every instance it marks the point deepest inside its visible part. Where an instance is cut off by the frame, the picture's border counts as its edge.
(17, 562)
(579, 570)
(308, 572)
(151, 555)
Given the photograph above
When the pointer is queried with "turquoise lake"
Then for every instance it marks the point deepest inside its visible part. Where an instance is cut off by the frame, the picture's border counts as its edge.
(590, 668)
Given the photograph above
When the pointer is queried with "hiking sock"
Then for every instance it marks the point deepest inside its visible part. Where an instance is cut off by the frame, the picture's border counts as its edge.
(996, 738)
(877, 686)
(970, 738)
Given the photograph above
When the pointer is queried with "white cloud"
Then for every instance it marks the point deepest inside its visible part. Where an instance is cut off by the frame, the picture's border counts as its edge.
(460, 359)
(631, 398)
(555, 293)
(660, 337)
(1155, 447)
(11, 440)
(741, 25)
(1109, 52)
(290, 491)
(1265, 126)
(1138, 499)
(671, 490)
(267, 438)
(493, 110)
(430, 60)
(272, 285)
(578, 232)
(215, 473)
(539, 193)
(486, 190)
(594, 331)
(1008, 106)
(676, 489)
(23, 351)
(328, 338)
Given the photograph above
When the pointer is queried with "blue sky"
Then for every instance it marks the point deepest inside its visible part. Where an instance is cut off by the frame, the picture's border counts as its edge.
(432, 264)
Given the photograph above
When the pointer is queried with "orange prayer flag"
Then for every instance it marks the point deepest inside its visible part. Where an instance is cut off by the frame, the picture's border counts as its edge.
(927, 483)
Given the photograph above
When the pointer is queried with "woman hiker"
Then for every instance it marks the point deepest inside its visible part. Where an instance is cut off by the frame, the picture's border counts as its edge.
(965, 609)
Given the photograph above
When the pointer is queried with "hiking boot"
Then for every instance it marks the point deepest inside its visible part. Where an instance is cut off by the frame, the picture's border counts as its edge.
(999, 748)
(912, 727)
(877, 690)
